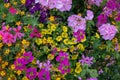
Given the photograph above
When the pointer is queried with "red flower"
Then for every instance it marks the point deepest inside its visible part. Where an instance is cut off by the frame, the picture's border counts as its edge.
(12, 10)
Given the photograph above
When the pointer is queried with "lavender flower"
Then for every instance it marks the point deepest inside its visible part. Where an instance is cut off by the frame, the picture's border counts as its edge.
(86, 60)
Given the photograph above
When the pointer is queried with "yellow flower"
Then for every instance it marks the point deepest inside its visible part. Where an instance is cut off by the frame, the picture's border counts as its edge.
(65, 49)
(53, 27)
(49, 40)
(23, 1)
(64, 35)
(19, 72)
(44, 40)
(49, 31)
(59, 38)
(38, 41)
(4, 15)
(78, 64)
(7, 5)
(7, 51)
(15, 3)
(1, 45)
(79, 14)
(6, 63)
(3, 66)
(52, 18)
(78, 70)
(25, 78)
(74, 57)
(18, 23)
(97, 35)
(65, 41)
(50, 56)
(41, 25)
(65, 29)
(10, 44)
(72, 48)
(2, 73)
(22, 50)
(44, 31)
(22, 13)
(24, 41)
(12, 67)
(81, 47)
(58, 78)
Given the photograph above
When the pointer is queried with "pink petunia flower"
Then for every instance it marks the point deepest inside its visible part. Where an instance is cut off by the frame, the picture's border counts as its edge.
(18, 34)
(90, 15)
(12, 10)
(8, 38)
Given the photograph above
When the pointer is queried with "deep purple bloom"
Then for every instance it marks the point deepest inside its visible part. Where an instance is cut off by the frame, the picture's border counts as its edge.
(28, 57)
(20, 64)
(44, 75)
(112, 4)
(31, 73)
(102, 19)
(86, 60)
(6, 1)
(80, 35)
(35, 33)
(117, 17)
(29, 3)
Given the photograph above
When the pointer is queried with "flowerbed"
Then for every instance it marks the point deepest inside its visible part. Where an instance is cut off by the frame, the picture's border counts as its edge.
(59, 40)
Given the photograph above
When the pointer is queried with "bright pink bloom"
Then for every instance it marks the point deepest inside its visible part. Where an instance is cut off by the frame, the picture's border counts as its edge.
(44, 75)
(107, 31)
(35, 33)
(76, 22)
(12, 10)
(18, 34)
(8, 38)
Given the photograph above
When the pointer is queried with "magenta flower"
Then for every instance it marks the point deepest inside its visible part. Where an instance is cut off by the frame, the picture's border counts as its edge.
(12, 10)
(19, 64)
(107, 31)
(92, 79)
(102, 19)
(96, 2)
(90, 15)
(76, 22)
(44, 75)
(6, 29)
(112, 4)
(86, 60)
(18, 34)
(31, 73)
(80, 35)
(35, 33)
(28, 57)
(107, 11)
(8, 38)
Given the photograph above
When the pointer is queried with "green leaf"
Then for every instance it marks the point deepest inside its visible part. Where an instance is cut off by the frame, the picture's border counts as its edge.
(93, 73)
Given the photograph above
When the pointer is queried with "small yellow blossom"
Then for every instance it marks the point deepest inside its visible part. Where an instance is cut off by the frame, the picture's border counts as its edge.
(1, 45)
(58, 78)
(50, 56)
(25, 78)
(74, 57)
(78, 70)
(4, 15)
(65, 29)
(23, 1)
(18, 23)
(53, 27)
(7, 5)
(41, 25)
(22, 13)
(72, 48)
(15, 3)
(44, 40)
(59, 38)
(38, 41)
(19, 72)
(3, 73)
(78, 64)
(66, 41)
(10, 44)
(52, 18)
(81, 47)
(12, 67)
(97, 35)
(7, 51)
(64, 35)
(3, 66)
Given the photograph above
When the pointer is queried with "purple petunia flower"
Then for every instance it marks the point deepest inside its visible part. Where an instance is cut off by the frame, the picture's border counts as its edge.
(64, 68)
(47, 65)
(107, 31)
(44, 75)
(112, 4)
(31, 73)
(90, 15)
(20, 64)
(28, 57)
(76, 22)
(86, 60)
